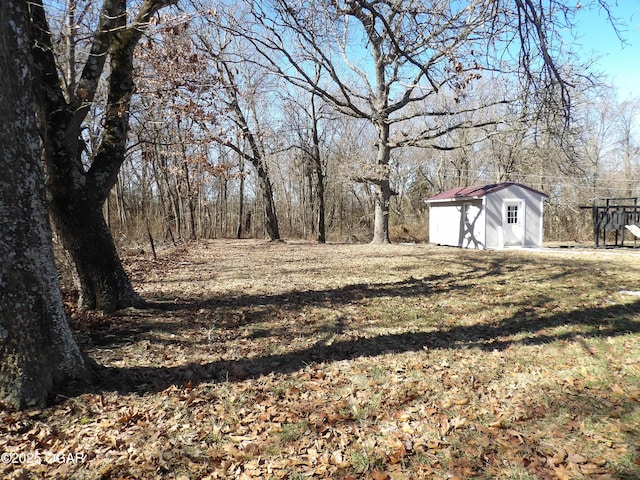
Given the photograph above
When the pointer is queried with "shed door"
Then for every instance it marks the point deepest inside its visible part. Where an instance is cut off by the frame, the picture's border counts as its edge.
(513, 222)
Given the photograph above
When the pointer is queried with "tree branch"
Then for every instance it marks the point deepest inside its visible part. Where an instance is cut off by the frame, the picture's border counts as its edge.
(103, 172)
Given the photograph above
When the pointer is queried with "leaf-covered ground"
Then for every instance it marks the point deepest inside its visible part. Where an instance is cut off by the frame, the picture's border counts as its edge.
(262, 360)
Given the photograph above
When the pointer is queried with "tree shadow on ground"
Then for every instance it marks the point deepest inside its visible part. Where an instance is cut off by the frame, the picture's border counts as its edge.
(602, 322)
(233, 311)
(521, 328)
(529, 325)
(127, 326)
(175, 316)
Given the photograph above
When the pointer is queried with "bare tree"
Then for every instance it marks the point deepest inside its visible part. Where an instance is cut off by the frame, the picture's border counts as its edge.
(305, 119)
(245, 134)
(381, 59)
(173, 118)
(77, 184)
(37, 350)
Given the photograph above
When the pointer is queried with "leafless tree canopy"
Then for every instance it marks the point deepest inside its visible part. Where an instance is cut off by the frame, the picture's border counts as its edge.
(349, 112)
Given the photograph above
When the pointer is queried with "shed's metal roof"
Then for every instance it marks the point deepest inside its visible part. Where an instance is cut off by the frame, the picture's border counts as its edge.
(477, 191)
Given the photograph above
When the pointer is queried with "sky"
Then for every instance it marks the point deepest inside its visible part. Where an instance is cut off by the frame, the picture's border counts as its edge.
(621, 62)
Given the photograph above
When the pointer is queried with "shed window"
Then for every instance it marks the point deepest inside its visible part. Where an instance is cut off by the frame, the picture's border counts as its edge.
(512, 214)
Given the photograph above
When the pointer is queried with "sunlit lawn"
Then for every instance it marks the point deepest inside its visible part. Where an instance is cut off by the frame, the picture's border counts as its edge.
(296, 360)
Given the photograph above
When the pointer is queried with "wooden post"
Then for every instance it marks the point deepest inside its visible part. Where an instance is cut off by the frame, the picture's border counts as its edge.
(596, 226)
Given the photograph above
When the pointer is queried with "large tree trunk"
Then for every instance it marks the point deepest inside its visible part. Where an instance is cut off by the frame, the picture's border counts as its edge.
(271, 219)
(381, 180)
(98, 275)
(77, 194)
(317, 165)
(321, 214)
(37, 351)
(241, 198)
(381, 214)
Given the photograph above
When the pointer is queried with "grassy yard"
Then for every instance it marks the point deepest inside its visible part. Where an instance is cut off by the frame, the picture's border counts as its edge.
(261, 360)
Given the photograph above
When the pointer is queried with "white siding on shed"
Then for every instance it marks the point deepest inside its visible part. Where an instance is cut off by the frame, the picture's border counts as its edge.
(459, 224)
(440, 221)
(532, 215)
(492, 216)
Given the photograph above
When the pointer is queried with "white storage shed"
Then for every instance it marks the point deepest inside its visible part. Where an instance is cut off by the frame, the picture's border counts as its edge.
(498, 215)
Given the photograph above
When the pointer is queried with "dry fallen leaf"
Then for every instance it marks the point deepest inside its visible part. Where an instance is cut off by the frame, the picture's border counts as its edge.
(576, 458)
(377, 475)
(559, 456)
(454, 476)
(562, 473)
(328, 362)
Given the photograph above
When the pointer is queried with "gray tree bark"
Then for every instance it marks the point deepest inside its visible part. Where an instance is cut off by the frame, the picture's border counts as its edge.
(37, 351)
(76, 194)
(319, 171)
(256, 156)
